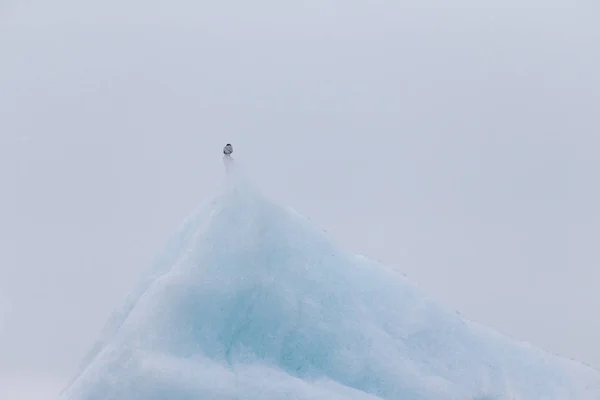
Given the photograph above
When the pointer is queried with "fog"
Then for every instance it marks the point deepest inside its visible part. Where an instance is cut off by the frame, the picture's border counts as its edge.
(456, 143)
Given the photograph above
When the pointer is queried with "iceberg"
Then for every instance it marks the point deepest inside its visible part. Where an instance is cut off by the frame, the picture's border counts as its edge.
(251, 300)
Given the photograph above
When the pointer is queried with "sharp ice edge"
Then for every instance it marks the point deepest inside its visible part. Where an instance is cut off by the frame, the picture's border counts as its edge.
(249, 300)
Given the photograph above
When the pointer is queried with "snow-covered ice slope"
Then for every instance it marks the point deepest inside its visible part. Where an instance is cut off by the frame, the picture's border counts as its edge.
(249, 300)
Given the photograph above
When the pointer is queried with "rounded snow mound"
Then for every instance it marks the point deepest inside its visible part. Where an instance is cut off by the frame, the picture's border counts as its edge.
(249, 300)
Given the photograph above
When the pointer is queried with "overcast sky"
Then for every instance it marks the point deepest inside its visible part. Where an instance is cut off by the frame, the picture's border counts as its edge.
(455, 141)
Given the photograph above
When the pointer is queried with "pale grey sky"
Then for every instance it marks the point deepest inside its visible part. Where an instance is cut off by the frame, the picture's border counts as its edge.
(456, 142)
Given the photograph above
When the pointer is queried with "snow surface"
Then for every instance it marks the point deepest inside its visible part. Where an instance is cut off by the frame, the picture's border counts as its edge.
(249, 300)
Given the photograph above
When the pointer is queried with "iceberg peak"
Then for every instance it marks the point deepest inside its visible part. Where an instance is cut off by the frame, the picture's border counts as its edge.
(249, 300)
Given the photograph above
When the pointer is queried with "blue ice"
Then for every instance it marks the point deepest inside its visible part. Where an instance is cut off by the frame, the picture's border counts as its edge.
(250, 300)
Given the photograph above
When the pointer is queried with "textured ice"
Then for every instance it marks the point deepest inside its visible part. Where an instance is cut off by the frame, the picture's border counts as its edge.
(249, 300)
